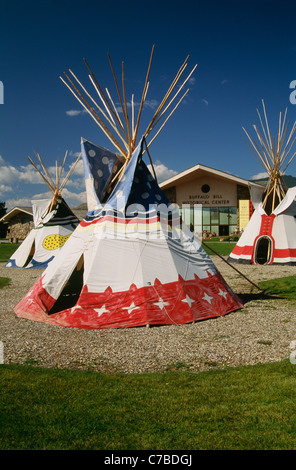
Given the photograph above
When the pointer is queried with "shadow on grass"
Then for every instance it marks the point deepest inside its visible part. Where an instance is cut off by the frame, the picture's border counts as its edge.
(273, 289)
(256, 296)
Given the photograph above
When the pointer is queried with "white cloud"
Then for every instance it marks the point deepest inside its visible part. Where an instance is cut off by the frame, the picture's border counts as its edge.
(28, 174)
(21, 202)
(259, 176)
(8, 172)
(162, 171)
(73, 154)
(75, 112)
(72, 199)
(79, 169)
(26, 201)
(205, 101)
(152, 104)
(5, 189)
(23, 181)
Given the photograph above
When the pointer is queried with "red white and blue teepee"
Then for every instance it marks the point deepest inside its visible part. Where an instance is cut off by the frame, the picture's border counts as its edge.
(130, 262)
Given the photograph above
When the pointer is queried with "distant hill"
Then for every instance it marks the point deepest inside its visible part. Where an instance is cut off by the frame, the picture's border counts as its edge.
(81, 207)
(80, 211)
(289, 180)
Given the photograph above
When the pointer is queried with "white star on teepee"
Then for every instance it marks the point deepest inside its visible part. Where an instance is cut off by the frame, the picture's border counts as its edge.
(207, 298)
(188, 300)
(76, 307)
(131, 307)
(222, 293)
(161, 304)
(101, 310)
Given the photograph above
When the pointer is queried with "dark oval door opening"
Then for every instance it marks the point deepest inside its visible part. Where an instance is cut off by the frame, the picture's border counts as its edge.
(263, 250)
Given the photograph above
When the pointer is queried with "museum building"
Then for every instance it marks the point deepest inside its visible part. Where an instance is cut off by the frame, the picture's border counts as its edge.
(210, 201)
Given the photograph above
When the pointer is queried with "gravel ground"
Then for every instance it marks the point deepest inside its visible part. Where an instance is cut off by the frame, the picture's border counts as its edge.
(260, 332)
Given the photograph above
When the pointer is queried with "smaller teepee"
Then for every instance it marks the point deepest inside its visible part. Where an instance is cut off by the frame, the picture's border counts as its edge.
(270, 236)
(53, 222)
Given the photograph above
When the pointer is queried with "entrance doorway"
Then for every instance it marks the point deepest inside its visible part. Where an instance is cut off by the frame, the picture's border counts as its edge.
(223, 230)
(71, 291)
(263, 250)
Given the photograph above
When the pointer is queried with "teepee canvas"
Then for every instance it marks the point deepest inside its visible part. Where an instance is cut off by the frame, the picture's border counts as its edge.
(130, 262)
(53, 224)
(270, 236)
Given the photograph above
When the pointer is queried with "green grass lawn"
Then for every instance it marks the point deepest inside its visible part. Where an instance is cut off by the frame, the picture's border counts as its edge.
(223, 248)
(236, 408)
(282, 287)
(6, 250)
(243, 408)
(4, 281)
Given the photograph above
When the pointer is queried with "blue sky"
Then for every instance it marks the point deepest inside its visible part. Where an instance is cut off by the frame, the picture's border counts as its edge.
(245, 51)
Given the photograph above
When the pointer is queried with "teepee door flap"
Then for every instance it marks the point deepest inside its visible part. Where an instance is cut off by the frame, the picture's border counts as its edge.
(72, 289)
(22, 256)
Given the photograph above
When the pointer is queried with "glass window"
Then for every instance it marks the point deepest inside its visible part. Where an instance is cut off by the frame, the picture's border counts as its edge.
(206, 216)
(210, 218)
(232, 228)
(198, 230)
(214, 215)
(223, 216)
(186, 216)
(215, 229)
(233, 215)
(198, 215)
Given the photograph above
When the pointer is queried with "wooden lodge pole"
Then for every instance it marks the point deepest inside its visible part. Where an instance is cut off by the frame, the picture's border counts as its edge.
(251, 282)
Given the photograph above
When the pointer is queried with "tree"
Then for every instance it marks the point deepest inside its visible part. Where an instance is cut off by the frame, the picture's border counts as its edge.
(3, 209)
(3, 227)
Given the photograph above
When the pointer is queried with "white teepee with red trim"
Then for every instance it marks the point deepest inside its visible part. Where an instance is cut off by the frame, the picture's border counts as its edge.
(270, 236)
(130, 262)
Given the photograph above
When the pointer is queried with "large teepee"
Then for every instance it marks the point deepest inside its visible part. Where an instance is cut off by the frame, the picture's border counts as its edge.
(53, 222)
(129, 262)
(270, 236)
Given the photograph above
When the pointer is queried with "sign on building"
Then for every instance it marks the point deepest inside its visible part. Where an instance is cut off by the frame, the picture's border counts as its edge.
(245, 212)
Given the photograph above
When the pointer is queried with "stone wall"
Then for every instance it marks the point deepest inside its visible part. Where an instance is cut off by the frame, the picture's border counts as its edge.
(19, 230)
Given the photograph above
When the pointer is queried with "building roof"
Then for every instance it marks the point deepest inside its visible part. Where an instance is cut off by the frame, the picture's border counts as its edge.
(79, 211)
(190, 173)
(15, 211)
